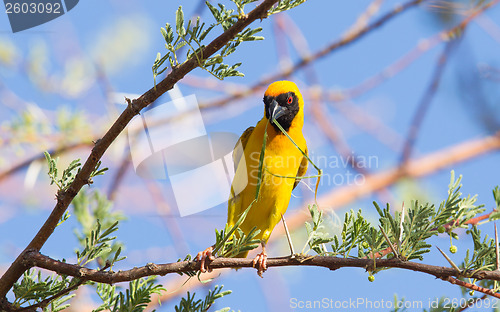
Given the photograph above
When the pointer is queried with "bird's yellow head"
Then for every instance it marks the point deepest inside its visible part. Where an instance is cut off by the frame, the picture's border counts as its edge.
(284, 103)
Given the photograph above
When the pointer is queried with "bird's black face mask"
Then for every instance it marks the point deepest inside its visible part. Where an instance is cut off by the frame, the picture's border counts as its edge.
(283, 108)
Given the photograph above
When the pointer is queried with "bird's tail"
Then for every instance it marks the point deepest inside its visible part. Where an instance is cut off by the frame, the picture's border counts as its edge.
(242, 255)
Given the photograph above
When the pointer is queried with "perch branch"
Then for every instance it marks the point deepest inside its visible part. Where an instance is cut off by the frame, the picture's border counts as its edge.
(35, 258)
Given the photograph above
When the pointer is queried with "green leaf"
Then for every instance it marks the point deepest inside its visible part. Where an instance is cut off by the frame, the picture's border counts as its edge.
(179, 22)
(165, 36)
(213, 10)
(496, 196)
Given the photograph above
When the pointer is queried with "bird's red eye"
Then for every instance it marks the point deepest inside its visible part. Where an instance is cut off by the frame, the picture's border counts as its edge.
(290, 100)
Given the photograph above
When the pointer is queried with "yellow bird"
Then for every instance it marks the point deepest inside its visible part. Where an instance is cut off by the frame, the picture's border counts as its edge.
(284, 103)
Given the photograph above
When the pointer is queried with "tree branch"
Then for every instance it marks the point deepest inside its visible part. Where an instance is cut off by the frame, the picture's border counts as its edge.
(119, 176)
(17, 268)
(35, 258)
(426, 100)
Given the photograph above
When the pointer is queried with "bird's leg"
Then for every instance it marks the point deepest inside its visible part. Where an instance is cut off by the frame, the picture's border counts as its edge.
(288, 237)
(205, 257)
(260, 261)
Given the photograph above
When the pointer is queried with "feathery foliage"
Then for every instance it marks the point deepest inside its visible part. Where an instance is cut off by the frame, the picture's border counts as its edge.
(134, 299)
(33, 289)
(354, 232)
(93, 212)
(68, 174)
(483, 256)
(98, 243)
(190, 304)
(193, 37)
(316, 238)
(407, 232)
(285, 5)
(423, 221)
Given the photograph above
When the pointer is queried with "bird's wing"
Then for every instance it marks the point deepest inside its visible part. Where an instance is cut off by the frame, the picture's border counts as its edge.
(234, 202)
(302, 169)
(238, 152)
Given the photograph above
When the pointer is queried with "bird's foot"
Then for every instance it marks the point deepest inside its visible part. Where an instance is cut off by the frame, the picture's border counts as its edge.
(260, 263)
(205, 257)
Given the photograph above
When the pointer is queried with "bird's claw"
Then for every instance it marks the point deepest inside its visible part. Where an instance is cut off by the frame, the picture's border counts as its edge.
(260, 263)
(205, 257)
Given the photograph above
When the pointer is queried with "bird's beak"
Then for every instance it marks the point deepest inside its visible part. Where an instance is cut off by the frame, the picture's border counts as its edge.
(276, 111)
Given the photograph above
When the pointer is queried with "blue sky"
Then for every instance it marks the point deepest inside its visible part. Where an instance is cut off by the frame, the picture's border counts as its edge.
(121, 38)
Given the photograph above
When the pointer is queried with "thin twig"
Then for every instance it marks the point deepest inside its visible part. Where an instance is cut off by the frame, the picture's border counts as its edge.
(119, 176)
(476, 220)
(394, 251)
(426, 101)
(344, 41)
(366, 122)
(364, 17)
(288, 237)
(299, 43)
(471, 286)
(489, 26)
(333, 135)
(165, 213)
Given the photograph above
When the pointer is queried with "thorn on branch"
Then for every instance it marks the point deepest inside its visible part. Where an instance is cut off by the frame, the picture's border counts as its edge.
(394, 251)
(60, 195)
(81, 272)
(300, 258)
(133, 106)
(497, 252)
(106, 266)
(151, 266)
(450, 261)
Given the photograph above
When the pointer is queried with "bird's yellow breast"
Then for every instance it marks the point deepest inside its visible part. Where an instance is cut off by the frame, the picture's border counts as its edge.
(281, 160)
